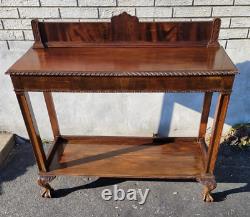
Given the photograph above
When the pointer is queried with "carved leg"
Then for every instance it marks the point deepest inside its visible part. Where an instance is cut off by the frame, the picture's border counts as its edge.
(209, 184)
(43, 181)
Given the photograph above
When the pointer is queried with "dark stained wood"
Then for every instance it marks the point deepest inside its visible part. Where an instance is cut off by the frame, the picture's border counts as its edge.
(52, 149)
(31, 125)
(128, 157)
(205, 114)
(127, 62)
(126, 55)
(74, 32)
(36, 33)
(204, 150)
(124, 28)
(123, 84)
(213, 42)
(127, 28)
(219, 118)
(52, 114)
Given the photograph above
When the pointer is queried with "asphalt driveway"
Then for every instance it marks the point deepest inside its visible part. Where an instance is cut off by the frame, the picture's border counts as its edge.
(81, 196)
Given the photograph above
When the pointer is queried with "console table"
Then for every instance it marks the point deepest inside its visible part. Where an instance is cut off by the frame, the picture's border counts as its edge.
(125, 55)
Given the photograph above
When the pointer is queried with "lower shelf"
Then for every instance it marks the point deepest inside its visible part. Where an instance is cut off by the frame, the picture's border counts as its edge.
(132, 157)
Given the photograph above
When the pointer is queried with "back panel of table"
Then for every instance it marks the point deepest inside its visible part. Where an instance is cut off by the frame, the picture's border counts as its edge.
(126, 30)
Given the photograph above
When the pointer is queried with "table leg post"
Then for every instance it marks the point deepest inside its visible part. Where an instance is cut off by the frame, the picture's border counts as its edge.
(205, 114)
(208, 179)
(31, 125)
(52, 114)
(219, 118)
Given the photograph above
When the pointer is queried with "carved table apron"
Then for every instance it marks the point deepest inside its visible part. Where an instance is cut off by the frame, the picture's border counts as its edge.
(125, 55)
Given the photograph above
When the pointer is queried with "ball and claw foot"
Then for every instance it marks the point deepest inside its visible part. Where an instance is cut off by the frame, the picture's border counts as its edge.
(209, 184)
(207, 197)
(47, 190)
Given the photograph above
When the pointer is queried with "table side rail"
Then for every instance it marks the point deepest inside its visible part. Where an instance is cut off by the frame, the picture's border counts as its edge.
(123, 84)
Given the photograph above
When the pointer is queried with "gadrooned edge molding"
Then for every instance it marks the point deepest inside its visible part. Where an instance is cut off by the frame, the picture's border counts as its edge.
(121, 74)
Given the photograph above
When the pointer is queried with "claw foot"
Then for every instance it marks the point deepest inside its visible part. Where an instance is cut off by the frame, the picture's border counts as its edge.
(47, 190)
(46, 193)
(207, 197)
(209, 184)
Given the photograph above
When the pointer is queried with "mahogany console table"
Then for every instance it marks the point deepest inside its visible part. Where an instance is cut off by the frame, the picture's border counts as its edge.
(125, 55)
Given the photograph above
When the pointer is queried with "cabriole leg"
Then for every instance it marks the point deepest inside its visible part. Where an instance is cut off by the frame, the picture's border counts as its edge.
(44, 181)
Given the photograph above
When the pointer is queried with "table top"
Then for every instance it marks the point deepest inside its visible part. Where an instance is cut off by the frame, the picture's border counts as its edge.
(124, 61)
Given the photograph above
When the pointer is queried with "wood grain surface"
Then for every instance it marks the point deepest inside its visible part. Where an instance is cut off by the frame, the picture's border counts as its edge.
(127, 157)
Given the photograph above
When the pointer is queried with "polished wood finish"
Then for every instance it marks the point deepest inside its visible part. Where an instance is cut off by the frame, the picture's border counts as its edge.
(125, 55)
(31, 125)
(124, 62)
(36, 32)
(204, 149)
(124, 84)
(219, 118)
(52, 114)
(128, 29)
(133, 157)
(205, 114)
